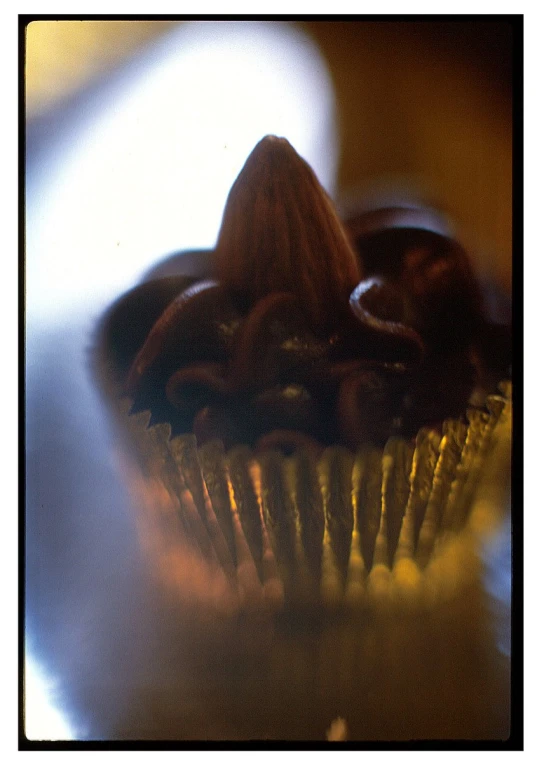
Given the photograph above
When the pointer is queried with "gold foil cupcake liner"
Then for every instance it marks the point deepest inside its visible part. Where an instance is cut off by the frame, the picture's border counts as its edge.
(341, 529)
(341, 585)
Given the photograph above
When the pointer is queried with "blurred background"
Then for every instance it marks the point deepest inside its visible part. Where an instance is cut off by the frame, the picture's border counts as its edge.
(134, 133)
(423, 105)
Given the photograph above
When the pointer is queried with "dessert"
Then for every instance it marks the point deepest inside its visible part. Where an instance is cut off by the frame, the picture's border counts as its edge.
(298, 337)
(308, 408)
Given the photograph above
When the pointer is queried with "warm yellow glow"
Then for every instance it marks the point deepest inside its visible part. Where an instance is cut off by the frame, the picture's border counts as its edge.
(255, 475)
(63, 56)
(379, 583)
(273, 589)
(407, 579)
(338, 730)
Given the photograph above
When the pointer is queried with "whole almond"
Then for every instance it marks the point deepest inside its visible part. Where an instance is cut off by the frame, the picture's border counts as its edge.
(280, 232)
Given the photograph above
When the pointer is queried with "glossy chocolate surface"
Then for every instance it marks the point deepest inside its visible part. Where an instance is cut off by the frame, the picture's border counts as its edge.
(284, 344)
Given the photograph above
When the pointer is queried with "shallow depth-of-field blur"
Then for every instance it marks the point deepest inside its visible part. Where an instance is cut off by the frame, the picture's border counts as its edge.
(134, 133)
(424, 106)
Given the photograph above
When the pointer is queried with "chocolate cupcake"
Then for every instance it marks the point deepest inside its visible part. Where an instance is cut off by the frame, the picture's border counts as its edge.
(307, 452)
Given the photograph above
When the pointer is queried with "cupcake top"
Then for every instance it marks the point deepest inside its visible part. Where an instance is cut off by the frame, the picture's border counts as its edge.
(300, 330)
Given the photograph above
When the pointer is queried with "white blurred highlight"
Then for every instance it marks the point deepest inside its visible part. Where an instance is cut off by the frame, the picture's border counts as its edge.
(150, 173)
(42, 719)
(144, 170)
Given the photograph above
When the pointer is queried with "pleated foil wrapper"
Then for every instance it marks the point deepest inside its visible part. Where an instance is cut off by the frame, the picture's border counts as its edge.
(342, 527)
(343, 587)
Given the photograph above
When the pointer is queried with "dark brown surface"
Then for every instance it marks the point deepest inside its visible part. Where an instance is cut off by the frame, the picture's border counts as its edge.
(426, 107)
